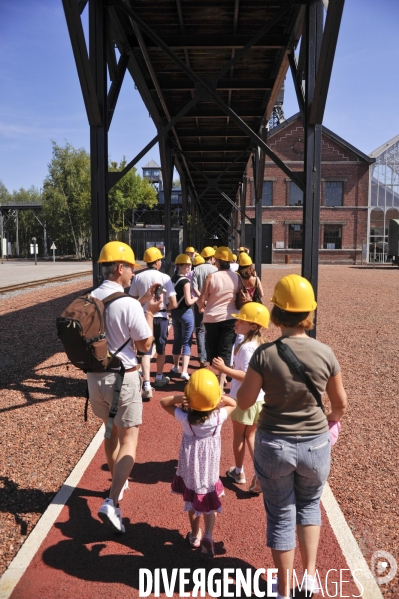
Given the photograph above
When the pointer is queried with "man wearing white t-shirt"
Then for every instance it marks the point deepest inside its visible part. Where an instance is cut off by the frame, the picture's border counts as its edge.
(141, 282)
(124, 320)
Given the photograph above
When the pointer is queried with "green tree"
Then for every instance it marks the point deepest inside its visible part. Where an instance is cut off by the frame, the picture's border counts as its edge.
(66, 196)
(129, 193)
(4, 194)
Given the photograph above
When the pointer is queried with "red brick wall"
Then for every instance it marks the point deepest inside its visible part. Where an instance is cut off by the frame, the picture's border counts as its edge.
(338, 163)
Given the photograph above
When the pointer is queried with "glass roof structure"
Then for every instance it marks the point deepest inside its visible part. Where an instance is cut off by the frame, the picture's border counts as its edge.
(383, 198)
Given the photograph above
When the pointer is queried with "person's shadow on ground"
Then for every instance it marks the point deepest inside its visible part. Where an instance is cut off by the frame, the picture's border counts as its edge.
(149, 547)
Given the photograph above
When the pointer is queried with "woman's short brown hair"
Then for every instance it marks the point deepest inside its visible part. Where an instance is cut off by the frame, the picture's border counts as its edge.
(282, 318)
(223, 264)
(246, 272)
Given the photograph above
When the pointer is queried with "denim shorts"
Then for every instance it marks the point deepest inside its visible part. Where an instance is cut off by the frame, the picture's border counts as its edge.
(292, 471)
(160, 328)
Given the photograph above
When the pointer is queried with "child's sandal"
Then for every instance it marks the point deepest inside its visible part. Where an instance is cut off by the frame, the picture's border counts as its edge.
(193, 540)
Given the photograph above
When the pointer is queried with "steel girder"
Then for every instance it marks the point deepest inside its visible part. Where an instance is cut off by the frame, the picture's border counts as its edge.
(209, 172)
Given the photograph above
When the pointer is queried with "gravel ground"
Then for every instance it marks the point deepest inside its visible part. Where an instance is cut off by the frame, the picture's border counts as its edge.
(43, 435)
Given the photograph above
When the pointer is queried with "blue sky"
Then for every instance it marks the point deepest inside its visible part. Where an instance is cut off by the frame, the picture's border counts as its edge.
(41, 100)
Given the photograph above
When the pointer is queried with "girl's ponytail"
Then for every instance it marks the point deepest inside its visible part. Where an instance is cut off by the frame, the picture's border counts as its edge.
(253, 335)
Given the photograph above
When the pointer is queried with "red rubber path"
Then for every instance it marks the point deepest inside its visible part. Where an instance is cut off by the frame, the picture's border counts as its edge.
(80, 558)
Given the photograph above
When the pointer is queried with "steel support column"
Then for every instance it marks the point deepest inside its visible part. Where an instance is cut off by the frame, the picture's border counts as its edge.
(98, 135)
(243, 199)
(257, 259)
(17, 234)
(236, 234)
(193, 237)
(184, 206)
(312, 161)
(167, 177)
(1, 234)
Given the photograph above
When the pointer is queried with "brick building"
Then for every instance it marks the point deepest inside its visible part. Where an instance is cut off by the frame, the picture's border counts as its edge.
(344, 198)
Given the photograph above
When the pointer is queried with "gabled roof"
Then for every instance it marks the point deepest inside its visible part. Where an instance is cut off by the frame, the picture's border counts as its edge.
(370, 159)
(151, 164)
(384, 147)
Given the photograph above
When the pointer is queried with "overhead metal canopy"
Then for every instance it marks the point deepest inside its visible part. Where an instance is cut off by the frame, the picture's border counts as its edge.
(209, 73)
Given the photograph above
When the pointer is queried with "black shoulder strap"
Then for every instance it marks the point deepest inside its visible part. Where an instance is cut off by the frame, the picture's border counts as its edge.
(179, 280)
(107, 301)
(286, 353)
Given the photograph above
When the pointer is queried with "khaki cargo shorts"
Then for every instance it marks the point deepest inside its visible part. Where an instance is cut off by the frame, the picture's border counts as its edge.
(130, 405)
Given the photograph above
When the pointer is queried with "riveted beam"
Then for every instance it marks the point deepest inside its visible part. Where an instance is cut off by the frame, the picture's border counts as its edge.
(208, 90)
(297, 79)
(99, 135)
(116, 85)
(312, 153)
(79, 48)
(117, 176)
(172, 84)
(327, 53)
(220, 42)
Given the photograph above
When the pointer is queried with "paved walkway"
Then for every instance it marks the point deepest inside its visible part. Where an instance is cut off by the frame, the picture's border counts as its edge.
(15, 272)
(70, 553)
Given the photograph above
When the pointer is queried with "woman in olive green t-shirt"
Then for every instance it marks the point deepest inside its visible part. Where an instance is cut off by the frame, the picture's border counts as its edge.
(292, 445)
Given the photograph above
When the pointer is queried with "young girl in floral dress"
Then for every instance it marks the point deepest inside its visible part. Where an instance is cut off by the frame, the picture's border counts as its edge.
(197, 478)
(250, 320)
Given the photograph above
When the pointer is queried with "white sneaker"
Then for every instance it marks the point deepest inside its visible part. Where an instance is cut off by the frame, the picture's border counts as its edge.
(112, 515)
(185, 376)
(310, 586)
(274, 589)
(147, 393)
(124, 488)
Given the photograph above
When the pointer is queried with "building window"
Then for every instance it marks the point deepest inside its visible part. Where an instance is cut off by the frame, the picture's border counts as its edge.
(267, 193)
(175, 198)
(332, 237)
(295, 195)
(333, 193)
(295, 237)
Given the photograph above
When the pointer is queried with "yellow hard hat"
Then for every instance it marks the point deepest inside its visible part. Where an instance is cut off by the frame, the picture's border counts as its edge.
(294, 294)
(208, 252)
(152, 255)
(215, 247)
(183, 259)
(242, 249)
(117, 251)
(198, 260)
(234, 258)
(203, 390)
(244, 259)
(224, 253)
(254, 312)
(190, 249)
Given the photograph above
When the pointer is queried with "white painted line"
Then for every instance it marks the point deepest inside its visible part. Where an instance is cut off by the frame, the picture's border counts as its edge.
(349, 546)
(21, 561)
